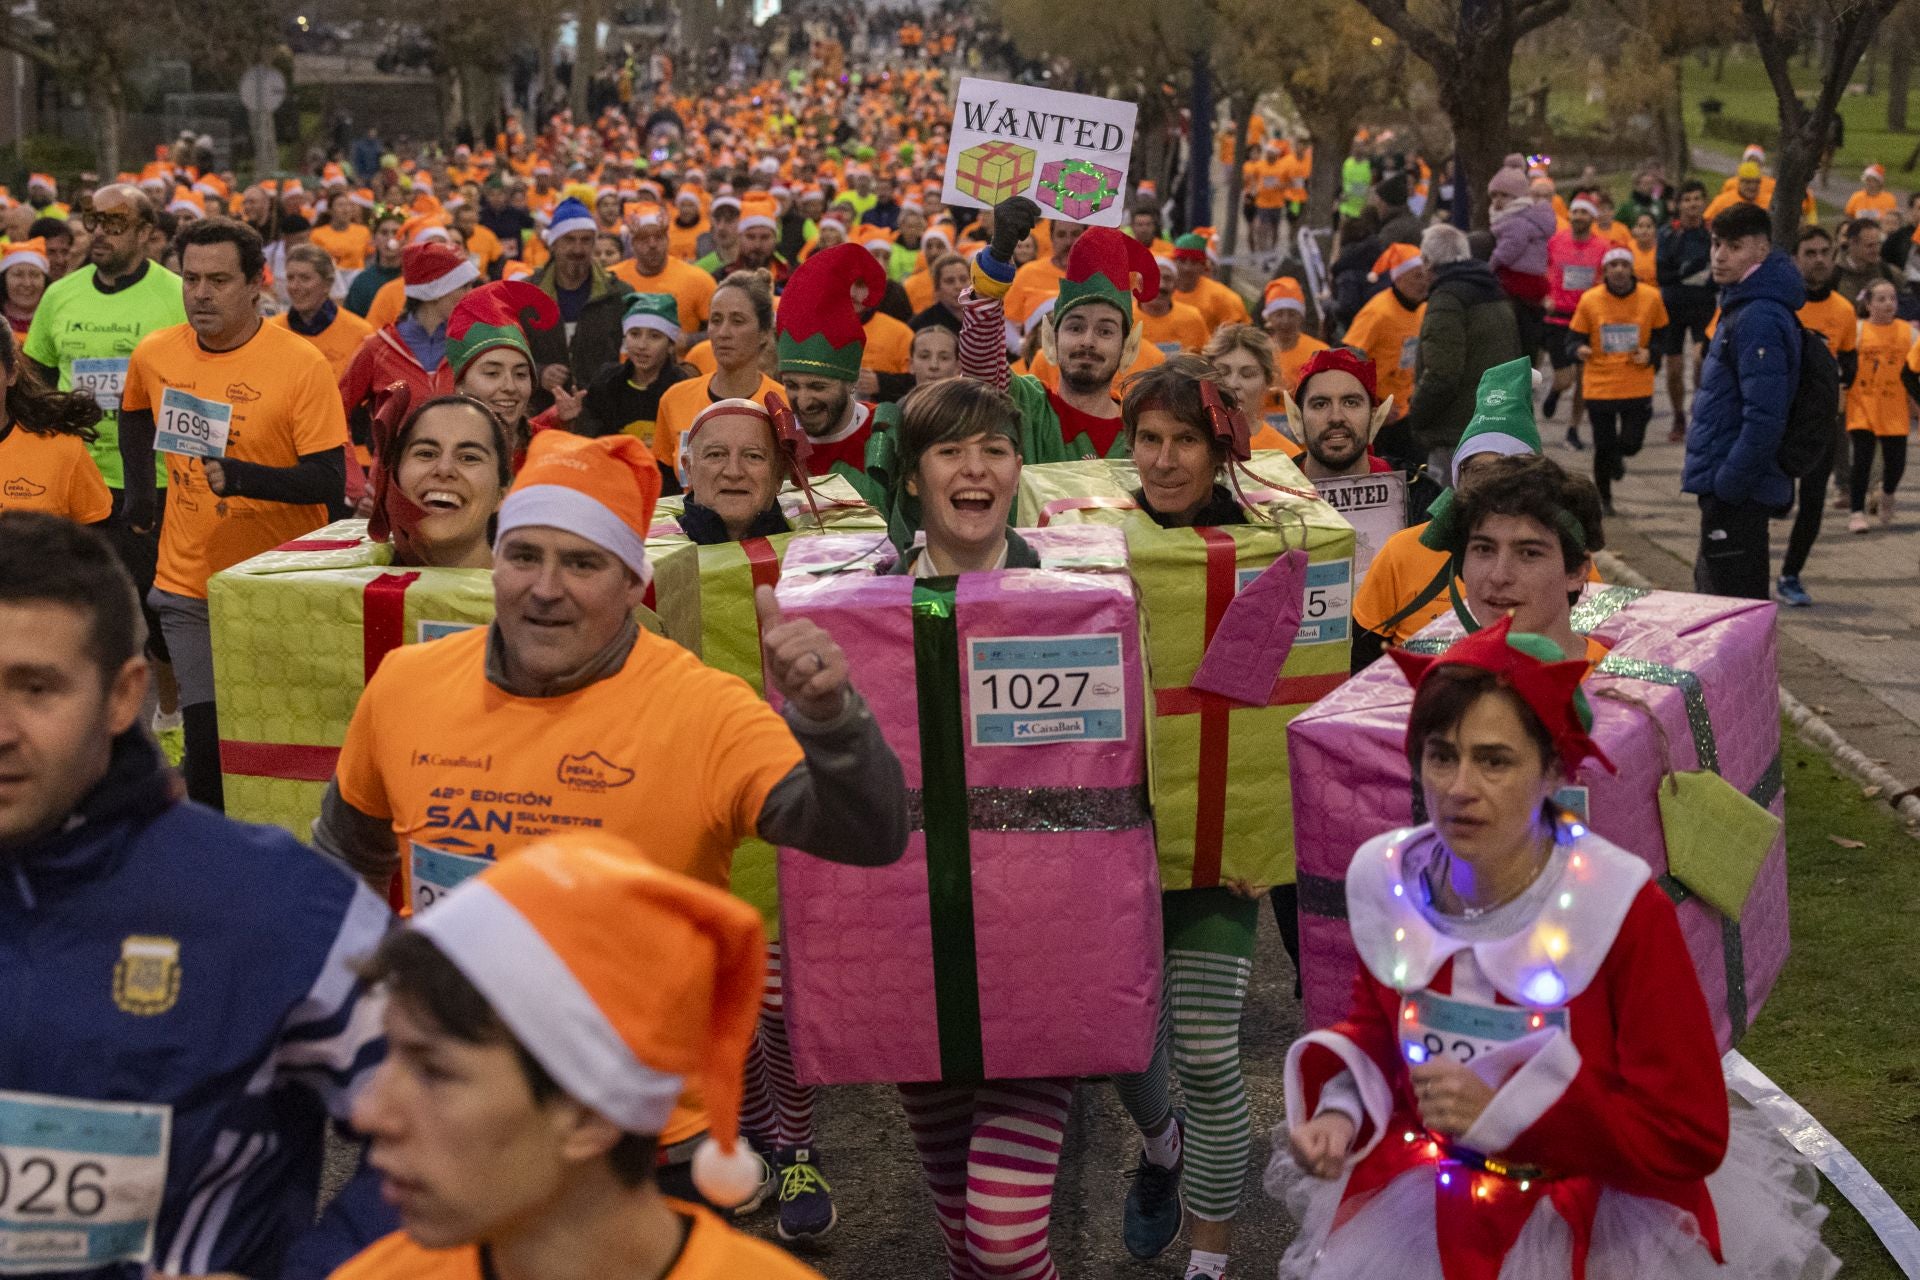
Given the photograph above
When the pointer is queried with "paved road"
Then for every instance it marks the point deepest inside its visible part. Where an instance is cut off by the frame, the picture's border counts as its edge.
(886, 1229)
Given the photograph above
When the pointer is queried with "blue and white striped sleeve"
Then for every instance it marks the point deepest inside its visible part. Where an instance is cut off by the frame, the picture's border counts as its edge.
(332, 1039)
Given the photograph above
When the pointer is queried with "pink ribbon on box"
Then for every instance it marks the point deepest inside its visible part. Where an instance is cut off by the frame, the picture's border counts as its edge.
(1058, 505)
(1255, 635)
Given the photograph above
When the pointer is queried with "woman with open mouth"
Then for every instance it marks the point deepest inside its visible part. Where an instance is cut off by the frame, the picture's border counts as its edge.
(733, 466)
(1527, 1082)
(442, 481)
(959, 470)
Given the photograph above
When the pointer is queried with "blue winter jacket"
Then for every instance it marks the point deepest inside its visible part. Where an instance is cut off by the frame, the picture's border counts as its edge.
(1746, 384)
(181, 1024)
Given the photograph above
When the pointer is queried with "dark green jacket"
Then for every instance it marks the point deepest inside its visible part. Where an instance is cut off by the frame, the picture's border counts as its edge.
(1469, 328)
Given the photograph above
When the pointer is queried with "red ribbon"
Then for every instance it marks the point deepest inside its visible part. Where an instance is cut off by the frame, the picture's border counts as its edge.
(278, 760)
(319, 544)
(383, 612)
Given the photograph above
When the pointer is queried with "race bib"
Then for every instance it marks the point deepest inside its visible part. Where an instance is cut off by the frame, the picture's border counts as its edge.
(1576, 279)
(102, 378)
(191, 426)
(1329, 602)
(429, 630)
(1026, 691)
(1619, 339)
(1437, 1026)
(80, 1182)
(437, 873)
(1409, 351)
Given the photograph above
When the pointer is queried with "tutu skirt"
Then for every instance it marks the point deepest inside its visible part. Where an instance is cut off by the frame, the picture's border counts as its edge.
(1763, 1193)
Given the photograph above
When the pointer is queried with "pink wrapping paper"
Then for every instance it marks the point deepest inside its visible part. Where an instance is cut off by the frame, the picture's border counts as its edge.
(1067, 923)
(1351, 781)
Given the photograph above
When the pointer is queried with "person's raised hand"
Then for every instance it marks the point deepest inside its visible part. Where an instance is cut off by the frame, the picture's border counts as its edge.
(805, 664)
(1320, 1145)
(555, 376)
(867, 386)
(566, 404)
(1013, 221)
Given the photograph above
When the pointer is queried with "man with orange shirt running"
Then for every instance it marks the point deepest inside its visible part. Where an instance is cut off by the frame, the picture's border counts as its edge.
(250, 420)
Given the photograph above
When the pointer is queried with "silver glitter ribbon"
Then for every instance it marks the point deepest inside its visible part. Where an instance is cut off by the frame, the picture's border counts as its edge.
(1595, 610)
(1043, 809)
(1704, 747)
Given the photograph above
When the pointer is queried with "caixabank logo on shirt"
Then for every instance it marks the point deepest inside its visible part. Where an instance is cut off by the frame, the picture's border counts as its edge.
(592, 772)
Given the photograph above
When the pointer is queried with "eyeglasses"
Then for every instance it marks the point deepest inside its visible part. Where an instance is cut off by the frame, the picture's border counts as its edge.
(112, 223)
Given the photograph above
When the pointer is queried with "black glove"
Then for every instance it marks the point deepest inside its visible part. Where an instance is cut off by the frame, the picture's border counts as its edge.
(1013, 221)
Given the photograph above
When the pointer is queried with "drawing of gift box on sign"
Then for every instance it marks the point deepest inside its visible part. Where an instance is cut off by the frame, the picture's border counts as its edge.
(995, 171)
(1079, 188)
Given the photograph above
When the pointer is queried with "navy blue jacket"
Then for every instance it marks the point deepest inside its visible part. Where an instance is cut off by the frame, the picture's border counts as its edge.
(154, 952)
(1746, 384)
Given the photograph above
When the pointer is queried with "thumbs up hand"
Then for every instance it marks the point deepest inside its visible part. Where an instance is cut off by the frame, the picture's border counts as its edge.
(803, 661)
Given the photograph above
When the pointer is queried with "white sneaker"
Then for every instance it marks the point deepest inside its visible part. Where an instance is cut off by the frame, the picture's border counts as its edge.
(1857, 522)
(1886, 510)
(165, 723)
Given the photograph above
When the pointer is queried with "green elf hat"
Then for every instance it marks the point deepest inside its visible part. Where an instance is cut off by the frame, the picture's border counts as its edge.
(819, 326)
(497, 315)
(660, 311)
(1100, 268)
(1502, 415)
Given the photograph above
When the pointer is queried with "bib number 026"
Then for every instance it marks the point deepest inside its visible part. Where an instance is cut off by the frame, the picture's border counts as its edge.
(46, 1187)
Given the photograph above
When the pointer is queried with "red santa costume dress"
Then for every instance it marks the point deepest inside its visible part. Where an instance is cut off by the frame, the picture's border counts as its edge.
(1609, 1150)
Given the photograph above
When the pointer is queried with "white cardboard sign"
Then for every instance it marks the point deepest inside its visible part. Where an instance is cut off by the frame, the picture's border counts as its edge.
(1067, 152)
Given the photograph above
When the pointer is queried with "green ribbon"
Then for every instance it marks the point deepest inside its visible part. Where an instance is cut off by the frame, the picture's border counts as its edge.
(943, 777)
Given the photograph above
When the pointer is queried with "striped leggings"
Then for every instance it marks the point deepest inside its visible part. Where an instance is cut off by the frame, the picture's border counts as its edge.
(990, 1152)
(773, 1104)
(1209, 940)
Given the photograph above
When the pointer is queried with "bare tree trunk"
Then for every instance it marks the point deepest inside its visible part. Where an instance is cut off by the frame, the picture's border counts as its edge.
(1244, 103)
(107, 99)
(586, 55)
(1677, 154)
(1331, 129)
(1476, 102)
(1899, 74)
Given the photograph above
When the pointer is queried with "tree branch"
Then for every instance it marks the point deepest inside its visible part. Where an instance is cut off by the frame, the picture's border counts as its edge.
(1534, 14)
(1774, 56)
(13, 42)
(1415, 34)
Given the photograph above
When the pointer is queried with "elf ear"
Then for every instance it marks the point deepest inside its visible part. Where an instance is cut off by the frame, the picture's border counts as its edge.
(1380, 416)
(1293, 415)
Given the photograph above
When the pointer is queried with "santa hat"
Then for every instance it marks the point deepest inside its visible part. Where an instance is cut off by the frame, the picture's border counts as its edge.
(1283, 295)
(1395, 261)
(421, 229)
(1616, 254)
(1582, 203)
(1873, 171)
(1100, 267)
(1502, 419)
(497, 315)
(44, 182)
(553, 937)
(1535, 670)
(186, 200)
(1345, 360)
(602, 489)
(759, 211)
(1754, 152)
(24, 253)
(569, 216)
(656, 311)
(645, 213)
(819, 327)
(433, 269)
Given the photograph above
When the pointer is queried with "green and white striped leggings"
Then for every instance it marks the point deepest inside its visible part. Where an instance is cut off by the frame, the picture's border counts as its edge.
(1209, 954)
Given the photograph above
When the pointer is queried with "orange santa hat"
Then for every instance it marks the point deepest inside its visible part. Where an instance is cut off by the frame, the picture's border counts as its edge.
(553, 937)
(602, 489)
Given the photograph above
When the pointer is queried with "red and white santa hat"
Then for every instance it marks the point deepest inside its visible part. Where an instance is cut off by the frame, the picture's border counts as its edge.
(553, 938)
(603, 489)
(433, 269)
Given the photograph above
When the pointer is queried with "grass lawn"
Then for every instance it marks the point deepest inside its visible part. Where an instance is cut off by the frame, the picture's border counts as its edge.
(1747, 96)
(1838, 1031)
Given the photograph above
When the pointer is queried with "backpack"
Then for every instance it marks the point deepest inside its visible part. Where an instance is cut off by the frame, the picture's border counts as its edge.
(1807, 438)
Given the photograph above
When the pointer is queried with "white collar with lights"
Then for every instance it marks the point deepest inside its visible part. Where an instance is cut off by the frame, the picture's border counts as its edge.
(1541, 965)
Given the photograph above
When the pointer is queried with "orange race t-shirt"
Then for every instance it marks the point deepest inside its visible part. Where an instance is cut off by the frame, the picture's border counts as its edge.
(347, 248)
(889, 345)
(1861, 204)
(1834, 318)
(713, 1251)
(1215, 302)
(338, 342)
(1616, 328)
(1390, 335)
(281, 401)
(54, 474)
(1877, 400)
(1400, 571)
(692, 288)
(1287, 364)
(1181, 329)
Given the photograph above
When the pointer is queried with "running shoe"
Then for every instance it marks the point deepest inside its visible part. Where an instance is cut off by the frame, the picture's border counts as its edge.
(806, 1201)
(1791, 592)
(1154, 1207)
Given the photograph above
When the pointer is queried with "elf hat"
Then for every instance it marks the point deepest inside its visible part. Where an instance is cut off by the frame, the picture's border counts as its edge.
(1283, 294)
(602, 489)
(1502, 419)
(1100, 267)
(819, 329)
(1345, 360)
(434, 269)
(24, 253)
(1190, 248)
(497, 315)
(553, 937)
(569, 215)
(657, 311)
(1395, 261)
(1535, 670)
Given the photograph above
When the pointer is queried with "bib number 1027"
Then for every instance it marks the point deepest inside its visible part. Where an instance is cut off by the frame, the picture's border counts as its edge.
(1032, 690)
